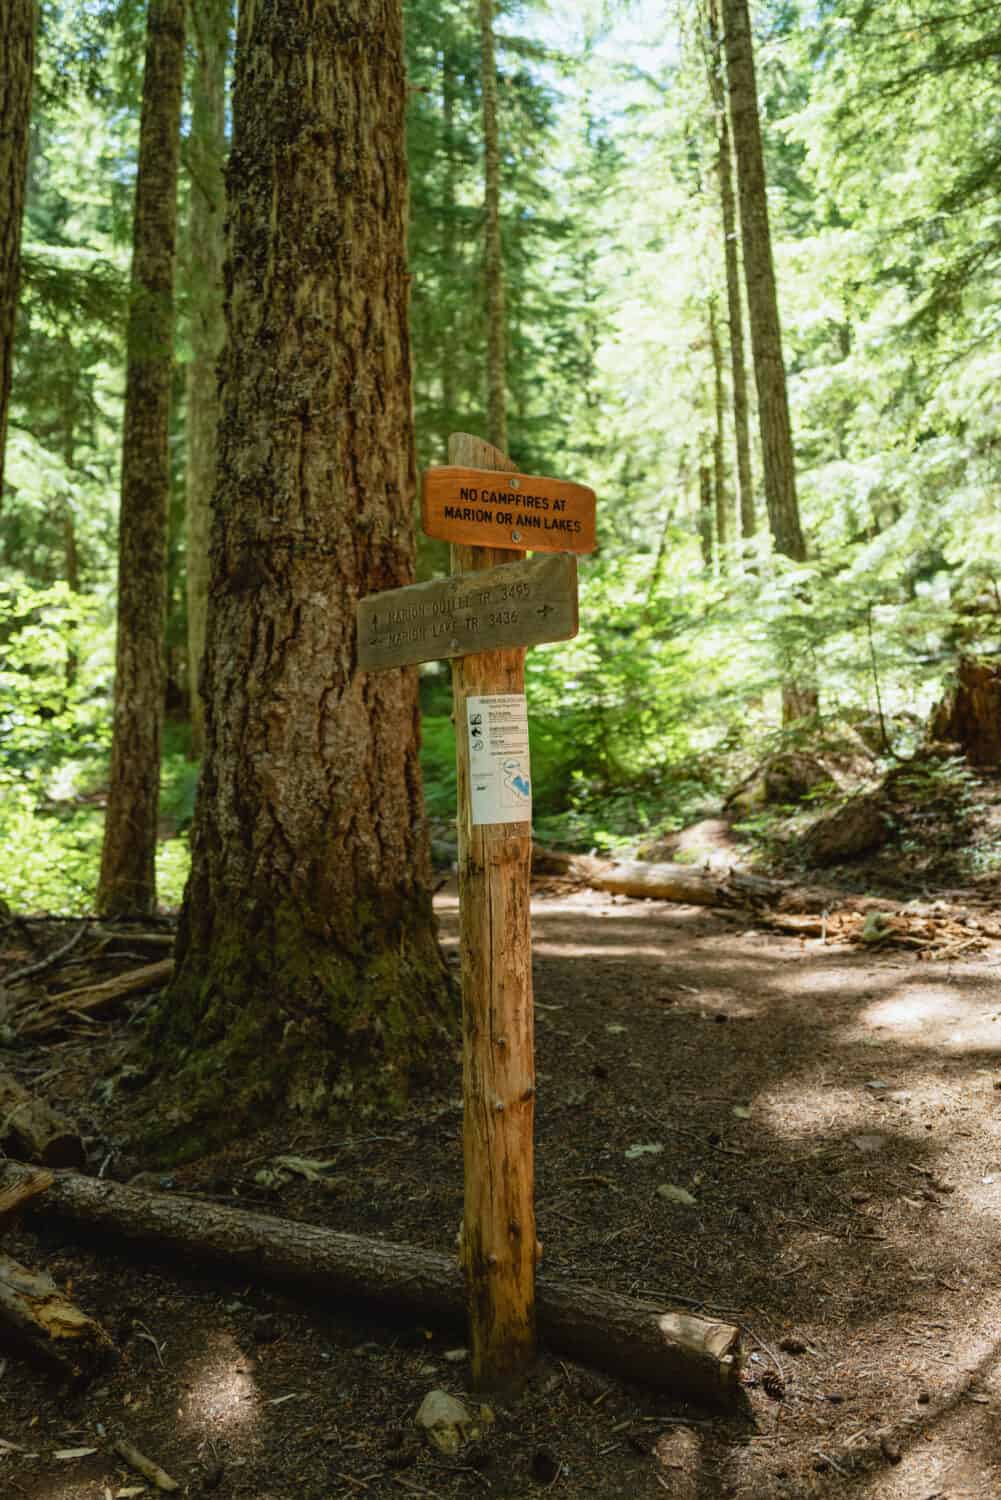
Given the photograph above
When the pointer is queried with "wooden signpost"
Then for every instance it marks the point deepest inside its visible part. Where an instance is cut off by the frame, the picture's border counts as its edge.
(483, 617)
(481, 507)
(516, 604)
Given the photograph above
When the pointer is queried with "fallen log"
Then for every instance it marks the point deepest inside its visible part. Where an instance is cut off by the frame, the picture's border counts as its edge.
(93, 999)
(30, 1129)
(23, 1183)
(683, 883)
(37, 1320)
(694, 886)
(697, 1357)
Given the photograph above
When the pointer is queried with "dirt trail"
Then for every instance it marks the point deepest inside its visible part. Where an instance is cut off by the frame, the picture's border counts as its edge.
(832, 1113)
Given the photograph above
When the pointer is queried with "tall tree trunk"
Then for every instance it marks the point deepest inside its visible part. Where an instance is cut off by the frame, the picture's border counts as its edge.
(128, 876)
(719, 420)
(493, 257)
(759, 273)
(449, 415)
(210, 24)
(308, 968)
(705, 517)
(735, 316)
(18, 21)
(71, 558)
(799, 691)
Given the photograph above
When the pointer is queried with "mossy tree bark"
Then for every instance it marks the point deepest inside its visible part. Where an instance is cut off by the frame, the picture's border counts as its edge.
(309, 973)
(128, 877)
(493, 258)
(210, 27)
(18, 22)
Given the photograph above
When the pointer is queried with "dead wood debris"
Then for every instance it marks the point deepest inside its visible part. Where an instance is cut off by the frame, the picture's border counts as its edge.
(96, 999)
(929, 934)
(108, 962)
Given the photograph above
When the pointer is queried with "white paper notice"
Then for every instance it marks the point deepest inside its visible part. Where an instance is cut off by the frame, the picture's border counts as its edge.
(500, 782)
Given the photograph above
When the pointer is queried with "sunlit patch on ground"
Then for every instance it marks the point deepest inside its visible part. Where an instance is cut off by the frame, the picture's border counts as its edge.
(221, 1394)
(938, 1016)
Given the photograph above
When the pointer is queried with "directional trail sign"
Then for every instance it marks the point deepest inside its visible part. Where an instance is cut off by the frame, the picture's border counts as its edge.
(483, 508)
(516, 604)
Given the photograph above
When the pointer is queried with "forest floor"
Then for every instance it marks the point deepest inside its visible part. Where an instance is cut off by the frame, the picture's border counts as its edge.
(834, 1113)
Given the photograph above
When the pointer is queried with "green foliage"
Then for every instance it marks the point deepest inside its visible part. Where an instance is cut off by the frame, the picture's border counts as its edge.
(882, 156)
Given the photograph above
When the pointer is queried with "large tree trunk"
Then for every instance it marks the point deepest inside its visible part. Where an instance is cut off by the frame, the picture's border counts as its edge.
(493, 258)
(308, 966)
(735, 316)
(18, 20)
(970, 713)
(697, 1357)
(210, 24)
(128, 875)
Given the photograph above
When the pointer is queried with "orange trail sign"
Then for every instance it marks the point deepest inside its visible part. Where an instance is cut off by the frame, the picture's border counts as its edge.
(483, 508)
(515, 604)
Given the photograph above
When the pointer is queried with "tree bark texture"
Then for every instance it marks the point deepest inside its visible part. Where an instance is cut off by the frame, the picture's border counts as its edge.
(309, 972)
(970, 713)
(735, 314)
(128, 876)
(18, 23)
(498, 1048)
(20, 1184)
(719, 437)
(759, 274)
(696, 1357)
(449, 231)
(210, 26)
(493, 250)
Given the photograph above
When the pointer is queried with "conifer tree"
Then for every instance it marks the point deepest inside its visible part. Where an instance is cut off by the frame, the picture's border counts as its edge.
(18, 22)
(493, 257)
(128, 875)
(210, 28)
(735, 316)
(308, 967)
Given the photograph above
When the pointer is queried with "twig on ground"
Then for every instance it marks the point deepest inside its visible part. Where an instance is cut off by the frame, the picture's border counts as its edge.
(144, 1333)
(49, 962)
(767, 1348)
(839, 1468)
(144, 1465)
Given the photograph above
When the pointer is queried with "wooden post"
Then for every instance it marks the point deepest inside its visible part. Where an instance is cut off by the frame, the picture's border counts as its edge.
(499, 1245)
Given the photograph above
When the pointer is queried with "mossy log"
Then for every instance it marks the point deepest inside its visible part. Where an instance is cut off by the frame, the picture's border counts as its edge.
(699, 1358)
(30, 1129)
(38, 1321)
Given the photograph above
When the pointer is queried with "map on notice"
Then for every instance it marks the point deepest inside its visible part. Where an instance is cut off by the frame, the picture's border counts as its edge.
(500, 781)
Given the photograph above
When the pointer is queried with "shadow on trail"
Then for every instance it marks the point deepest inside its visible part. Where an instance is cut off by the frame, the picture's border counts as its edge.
(799, 1138)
